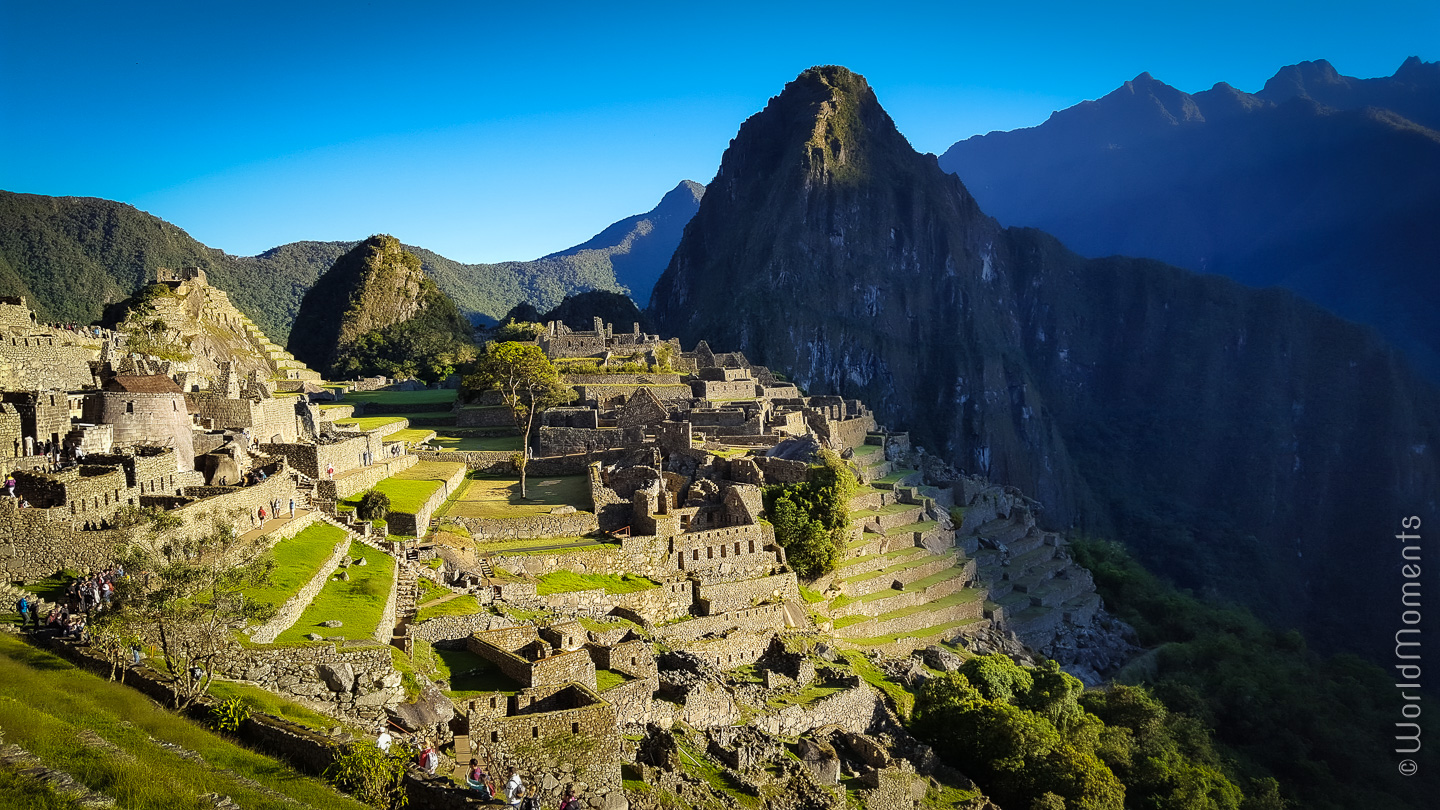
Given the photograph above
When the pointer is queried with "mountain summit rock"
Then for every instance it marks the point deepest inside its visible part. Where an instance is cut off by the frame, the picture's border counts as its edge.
(1241, 441)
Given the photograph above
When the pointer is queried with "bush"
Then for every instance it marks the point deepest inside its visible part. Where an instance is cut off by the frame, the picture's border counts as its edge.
(369, 774)
(375, 505)
(227, 715)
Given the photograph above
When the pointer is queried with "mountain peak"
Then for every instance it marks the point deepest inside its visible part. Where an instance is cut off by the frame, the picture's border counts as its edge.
(1304, 80)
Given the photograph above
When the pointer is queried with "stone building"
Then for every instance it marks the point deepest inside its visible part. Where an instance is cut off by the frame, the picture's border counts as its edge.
(145, 410)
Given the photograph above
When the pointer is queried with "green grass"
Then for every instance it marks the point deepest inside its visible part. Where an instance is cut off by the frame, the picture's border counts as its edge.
(923, 632)
(810, 596)
(960, 597)
(410, 489)
(600, 626)
(46, 704)
(297, 560)
(261, 700)
(803, 697)
(51, 588)
(530, 545)
(413, 435)
(902, 698)
(606, 679)
(908, 562)
(367, 422)
(896, 555)
(884, 510)
(469, 674)
(447, 440)
(866, 450)
(910, 528)
(463, 605)
(957, 515)
(358, 603)
(426, 397)
(499, 497)
(566, 581)
(26, 792)
(916, 586)
(846, 621)
(894, 477)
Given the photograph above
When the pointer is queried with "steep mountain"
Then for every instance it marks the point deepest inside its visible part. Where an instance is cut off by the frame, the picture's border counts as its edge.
(375, 311)
(1242, 442)
(640, 247)
(1321, 183)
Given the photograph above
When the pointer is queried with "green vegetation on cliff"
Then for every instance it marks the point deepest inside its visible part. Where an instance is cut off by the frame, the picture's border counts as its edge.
(376, 312)
(812, 520)
(1321, 726)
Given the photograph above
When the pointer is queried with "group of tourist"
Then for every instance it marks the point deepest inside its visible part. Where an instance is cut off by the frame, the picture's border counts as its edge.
(84, 594)
(513, 794)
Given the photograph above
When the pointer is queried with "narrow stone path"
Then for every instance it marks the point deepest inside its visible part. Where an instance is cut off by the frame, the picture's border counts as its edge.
(273, 524)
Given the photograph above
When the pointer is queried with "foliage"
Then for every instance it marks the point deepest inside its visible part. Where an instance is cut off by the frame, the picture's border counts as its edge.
(524, 376)
(812, 520)
(1027, 738)
(374, 777)
(227, 715)
(189, 596)
(112, 635)
(1311, 729)
(358, 602)
(374, 505)
(516, 331)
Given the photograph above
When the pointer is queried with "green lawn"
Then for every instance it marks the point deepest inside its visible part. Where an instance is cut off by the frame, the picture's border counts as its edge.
(894, 477)
(367, 422)
(427, 397)
(296, 561)
(51, 708)
(606, 679)
(459, 605)
(447, 440)
(410, 489)
(469, 674)
(499, 497)
(358, 603)
(262, 700)
(413, 435)
(566, 581)
(867, 450)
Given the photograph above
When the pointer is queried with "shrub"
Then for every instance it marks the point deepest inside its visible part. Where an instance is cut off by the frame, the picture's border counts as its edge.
(375, 505)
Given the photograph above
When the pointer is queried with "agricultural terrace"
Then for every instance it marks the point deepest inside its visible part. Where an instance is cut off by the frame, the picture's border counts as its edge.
(409, 490)
(120, 743)
(499, 496)
(297, 560)
(367, 422)
(358, 603)
(466, 440)
(443, 396)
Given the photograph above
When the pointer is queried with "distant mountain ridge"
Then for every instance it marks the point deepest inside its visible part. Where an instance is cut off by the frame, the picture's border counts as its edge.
(1243, 442)
(72, 256)
(1321, 183)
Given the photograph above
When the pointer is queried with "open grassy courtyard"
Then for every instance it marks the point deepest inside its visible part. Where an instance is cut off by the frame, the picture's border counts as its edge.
(358, 603)
(499, 497)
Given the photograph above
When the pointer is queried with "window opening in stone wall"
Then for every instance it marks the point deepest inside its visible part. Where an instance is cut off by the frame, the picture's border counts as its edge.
(129, 407)
(752, 546)
(574, 728)
(494, 736)
(534, 732)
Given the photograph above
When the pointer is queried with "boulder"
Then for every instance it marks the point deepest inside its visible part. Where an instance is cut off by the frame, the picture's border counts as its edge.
(820, 759)
(314, 637)
(339, 677)
(332, 623)
(362, 561)
(431, 708)
(937, 657)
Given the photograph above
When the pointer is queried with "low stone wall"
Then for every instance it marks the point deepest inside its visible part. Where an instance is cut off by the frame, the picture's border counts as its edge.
(364, 478)
(665, 603)
(493, 416)
(723, 597)
(452, 628)
(634, 702)
(752, 620)
(572, 524)
(857, 710)
(354, 682)
(782, 471)
(736, 649)
(658, 378)
(289, 612)
(606, 394)
(385, 628)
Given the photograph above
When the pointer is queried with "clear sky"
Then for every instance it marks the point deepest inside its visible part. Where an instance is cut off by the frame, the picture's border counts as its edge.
(489, 132)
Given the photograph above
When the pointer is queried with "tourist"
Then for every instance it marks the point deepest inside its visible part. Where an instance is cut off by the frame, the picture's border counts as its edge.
(329, 472)
(479, 781)
(429, 759)
(262, 515)
(22, 606)
(514, 789)
(10, 485)
(35, 614)
(383, 741)
(292, 508)
(135, 655)
(570, 802)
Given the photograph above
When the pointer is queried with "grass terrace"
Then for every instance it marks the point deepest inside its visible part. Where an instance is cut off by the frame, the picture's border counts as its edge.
(923, 632)
(358, 603)
(469, 674)
(455, 604)
(412, 435)
(363, 423)
(454, 440)
(426, 397)
(911, 528)
(410, 489)
(499, 497)
(894, 477)
(606, 679)
(884, 510)
(112, 740)
(866, 451)
(263, 700)
(567, 581)
(297, 560)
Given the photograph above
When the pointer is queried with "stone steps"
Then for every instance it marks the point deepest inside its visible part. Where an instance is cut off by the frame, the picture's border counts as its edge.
(1037, 570)
(1032, 540)
(1059, 590)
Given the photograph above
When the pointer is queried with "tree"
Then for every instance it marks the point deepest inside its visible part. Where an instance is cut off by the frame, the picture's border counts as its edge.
(374, 505)
(188, 597)
(812, 520)
(526, 379)
(519, 460)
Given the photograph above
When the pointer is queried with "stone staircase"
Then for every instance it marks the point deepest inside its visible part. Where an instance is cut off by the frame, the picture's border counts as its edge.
(407, 590)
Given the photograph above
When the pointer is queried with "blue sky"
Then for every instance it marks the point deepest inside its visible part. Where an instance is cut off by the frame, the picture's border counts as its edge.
(489, 132)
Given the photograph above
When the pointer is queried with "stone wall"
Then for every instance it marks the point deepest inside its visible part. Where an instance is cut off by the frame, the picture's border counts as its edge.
(554, 749)
(752, 620)
(634, 702)
(452, 628)
(858, 710)
(782, 471)
(738, 548)
(313, 459)
(611, 394)
(710, 389)
(47, 361)
(572, 524)
(496, 416)
(556, 441)
(659, 378)
(736, 649)
(723, 597)
(353, 682)
(148, 419)
(364, 478)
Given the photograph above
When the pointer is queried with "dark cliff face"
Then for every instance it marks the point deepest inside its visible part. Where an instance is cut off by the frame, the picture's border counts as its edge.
(1241, 441)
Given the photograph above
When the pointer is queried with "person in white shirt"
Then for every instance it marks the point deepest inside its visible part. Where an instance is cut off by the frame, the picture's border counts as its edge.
(514, 789)
(384, 740)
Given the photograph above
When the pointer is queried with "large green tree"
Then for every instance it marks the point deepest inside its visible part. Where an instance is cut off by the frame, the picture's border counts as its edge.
(526, 379)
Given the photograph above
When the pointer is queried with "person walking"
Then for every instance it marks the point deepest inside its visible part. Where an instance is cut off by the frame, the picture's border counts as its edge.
(514, 789)
(292, 508)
